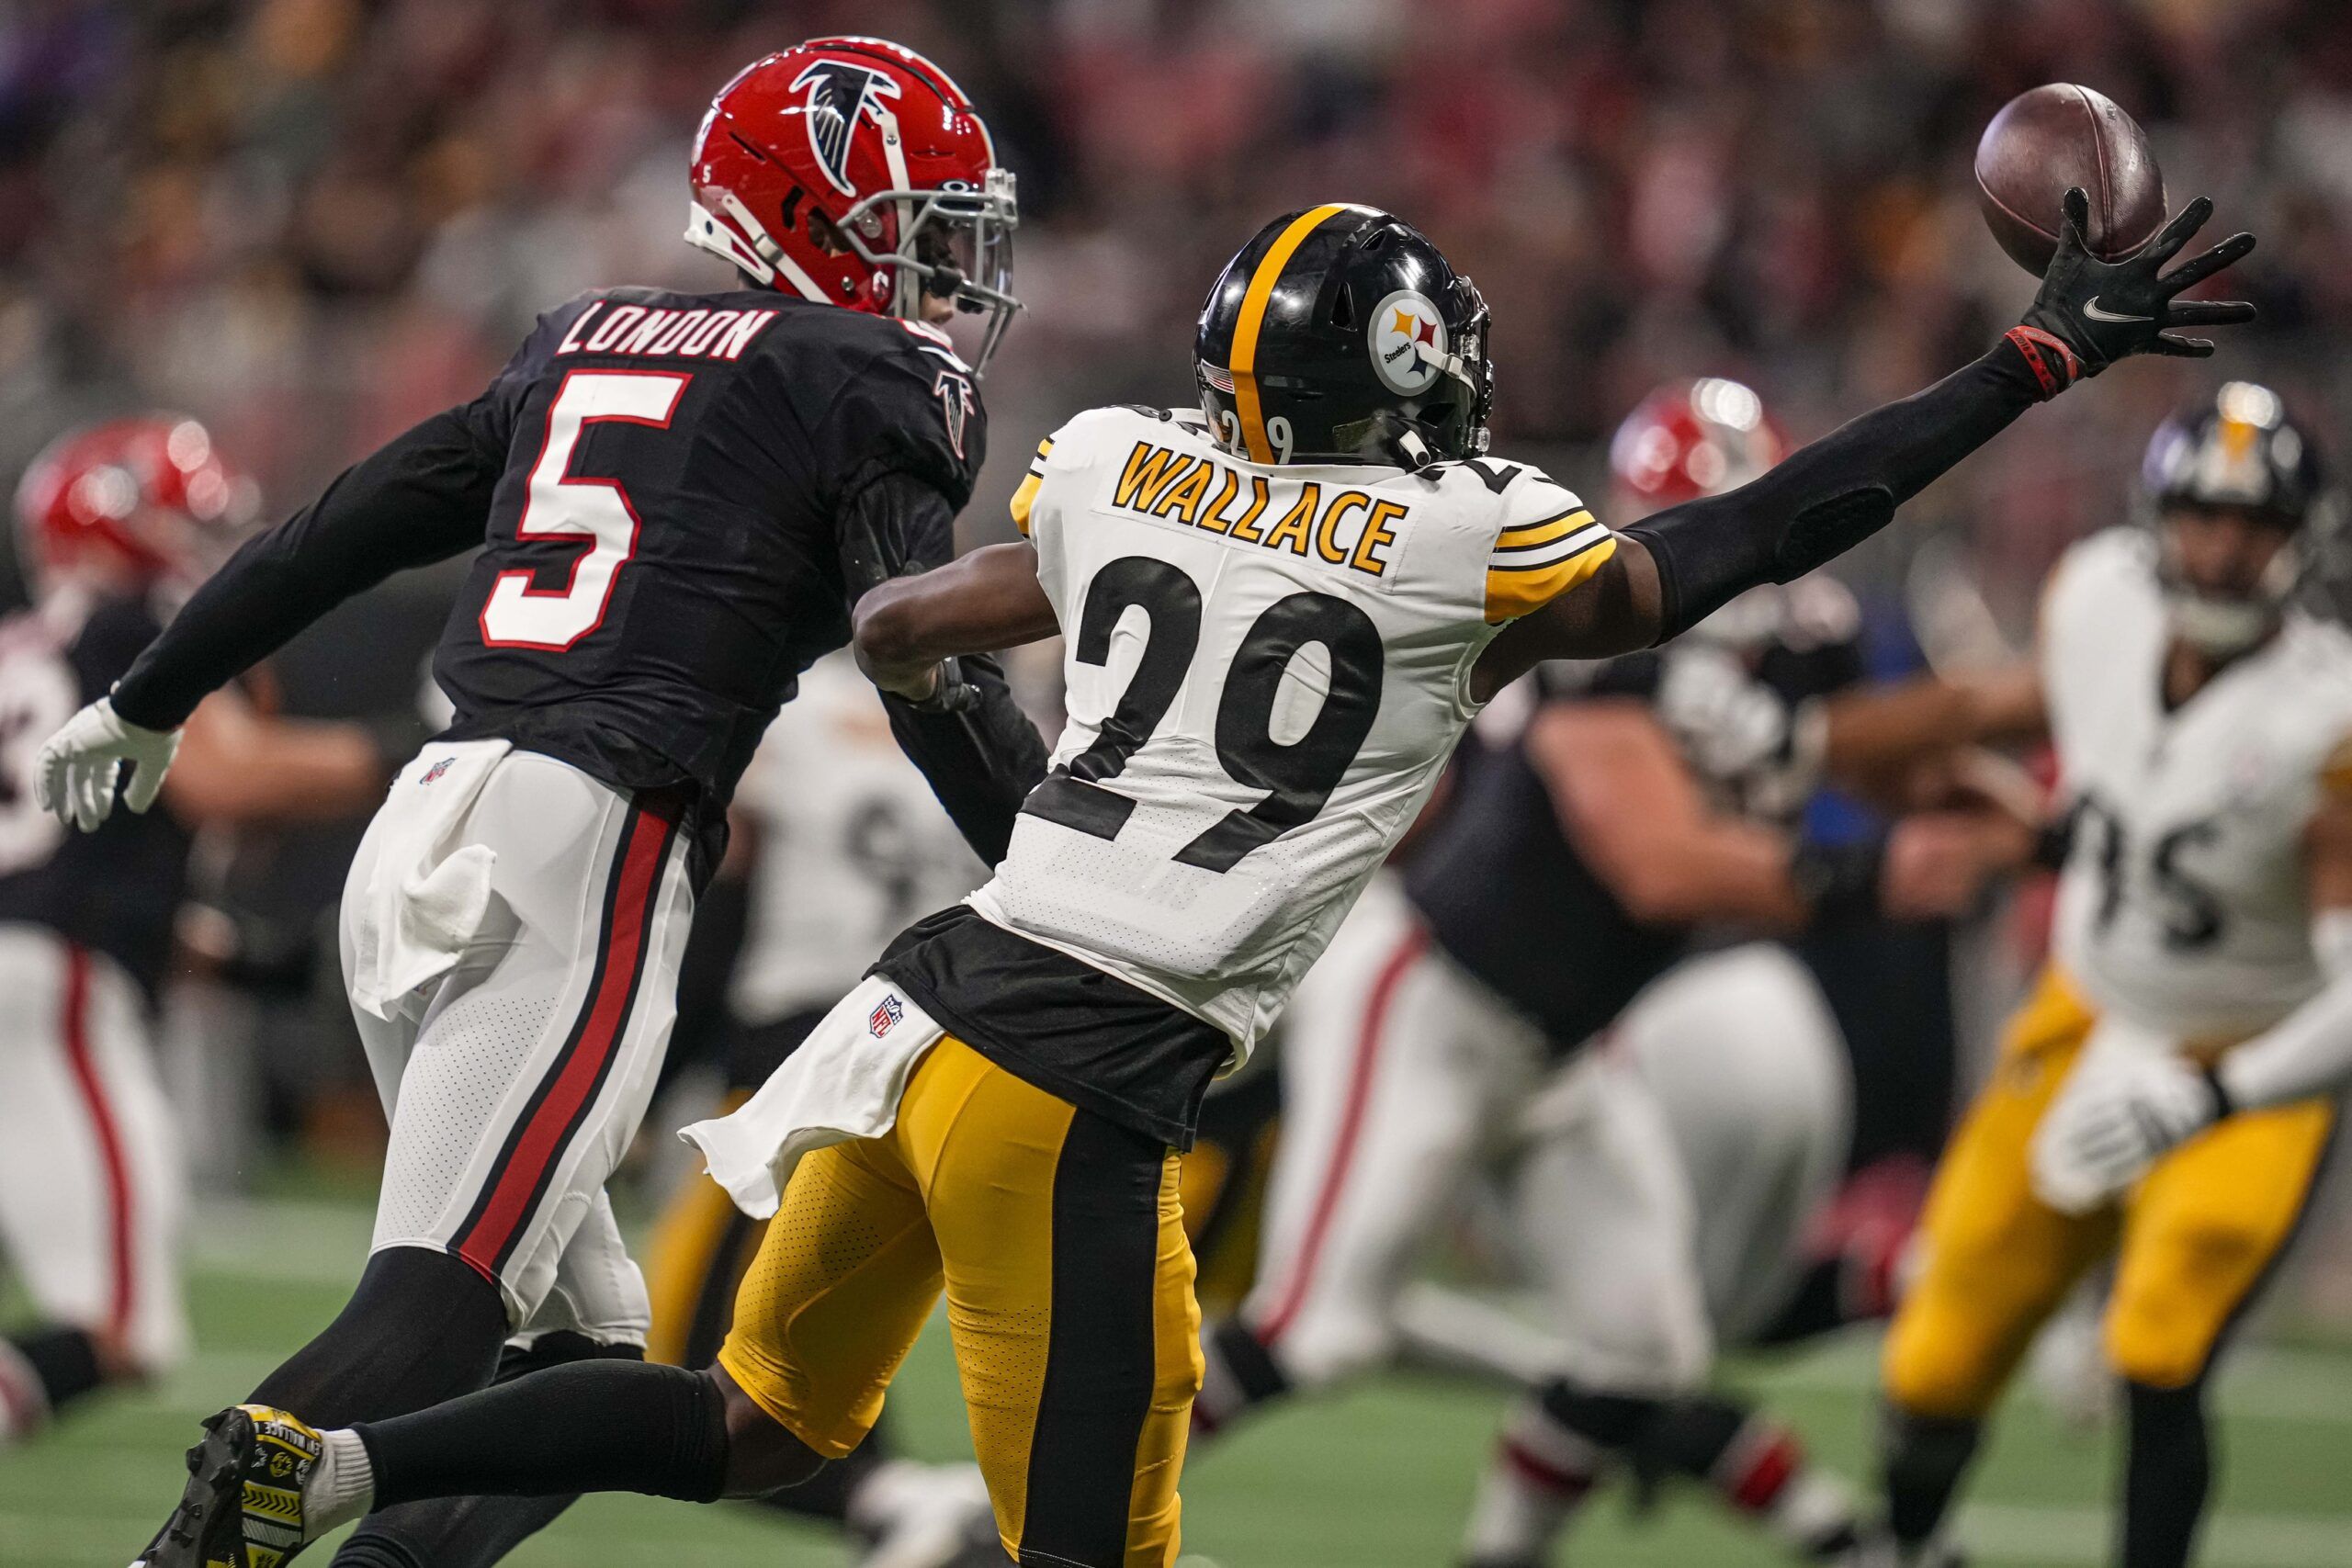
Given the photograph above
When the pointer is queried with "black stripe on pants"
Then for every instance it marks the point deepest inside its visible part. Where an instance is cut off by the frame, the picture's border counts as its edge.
(1101, 1360)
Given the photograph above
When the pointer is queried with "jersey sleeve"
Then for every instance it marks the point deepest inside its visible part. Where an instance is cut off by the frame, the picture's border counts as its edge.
(912, 410)
(1549, 542)
(423, 497)
(1024, 500)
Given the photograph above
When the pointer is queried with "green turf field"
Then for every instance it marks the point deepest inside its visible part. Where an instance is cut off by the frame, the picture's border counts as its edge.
(1376, 1478)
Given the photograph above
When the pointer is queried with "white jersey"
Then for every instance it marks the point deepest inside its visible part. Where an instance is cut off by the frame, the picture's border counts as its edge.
(853, 845)
(1266, 668)
(2183, 908)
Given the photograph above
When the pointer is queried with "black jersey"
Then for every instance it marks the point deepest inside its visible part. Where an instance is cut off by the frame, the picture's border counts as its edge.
(115, 891)
(1509, 899)
(673, 494)
(1506, 894)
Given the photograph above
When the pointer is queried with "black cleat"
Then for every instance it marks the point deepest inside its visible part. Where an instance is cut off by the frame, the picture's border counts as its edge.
(242, 1508)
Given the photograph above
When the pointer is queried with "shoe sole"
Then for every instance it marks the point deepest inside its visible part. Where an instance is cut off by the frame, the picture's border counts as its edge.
(215, 1493)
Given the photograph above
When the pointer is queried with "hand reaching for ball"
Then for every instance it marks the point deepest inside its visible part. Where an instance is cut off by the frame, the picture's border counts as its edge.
(2091, 312)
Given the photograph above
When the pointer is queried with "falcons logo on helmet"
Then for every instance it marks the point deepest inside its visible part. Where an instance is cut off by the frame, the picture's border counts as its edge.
(840, 95)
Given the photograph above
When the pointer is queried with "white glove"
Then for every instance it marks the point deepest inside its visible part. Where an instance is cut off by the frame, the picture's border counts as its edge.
(80, 765)
(2112, 1120)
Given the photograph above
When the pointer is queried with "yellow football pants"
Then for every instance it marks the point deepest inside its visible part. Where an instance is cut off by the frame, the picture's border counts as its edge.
(1058, 1239)
(2193, 1239)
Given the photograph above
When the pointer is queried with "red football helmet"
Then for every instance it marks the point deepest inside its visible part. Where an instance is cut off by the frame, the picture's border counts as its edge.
(1693, 438)
(149, 497)
(877, 140)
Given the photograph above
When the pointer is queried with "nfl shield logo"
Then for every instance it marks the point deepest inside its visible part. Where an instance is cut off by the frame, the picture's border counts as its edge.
(436, 770)
(886, 1012)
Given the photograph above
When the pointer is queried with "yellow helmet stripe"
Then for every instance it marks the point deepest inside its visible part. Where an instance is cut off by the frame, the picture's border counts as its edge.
(1253, 317)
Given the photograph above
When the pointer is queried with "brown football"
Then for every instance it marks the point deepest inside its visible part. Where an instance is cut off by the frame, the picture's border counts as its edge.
(2044, 141)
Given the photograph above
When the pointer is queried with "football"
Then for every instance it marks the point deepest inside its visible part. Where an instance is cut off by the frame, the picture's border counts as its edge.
(2054, 138)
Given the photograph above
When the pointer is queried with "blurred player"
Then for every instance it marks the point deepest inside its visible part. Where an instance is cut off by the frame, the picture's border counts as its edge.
(117, 523)
(1661, 1188)
(2202, 727)
(681, 495)
(1282, 615)
(846, 844)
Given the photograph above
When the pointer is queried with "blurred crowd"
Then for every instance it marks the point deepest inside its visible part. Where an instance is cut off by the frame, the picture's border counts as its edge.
(312, 221)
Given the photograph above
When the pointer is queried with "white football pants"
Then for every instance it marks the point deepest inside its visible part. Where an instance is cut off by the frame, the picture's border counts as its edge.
(92, 1183)
(515, 1081)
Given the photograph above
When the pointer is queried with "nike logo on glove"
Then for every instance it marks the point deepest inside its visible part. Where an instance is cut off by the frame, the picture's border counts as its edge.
(2091, 309)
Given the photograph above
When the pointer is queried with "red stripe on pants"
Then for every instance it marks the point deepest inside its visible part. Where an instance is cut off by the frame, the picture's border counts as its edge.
(542, 1142)
(1334, 1176)
(73, 1026)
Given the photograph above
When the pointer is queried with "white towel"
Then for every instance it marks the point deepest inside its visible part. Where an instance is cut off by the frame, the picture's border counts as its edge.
(426, 891)
(841, 1083)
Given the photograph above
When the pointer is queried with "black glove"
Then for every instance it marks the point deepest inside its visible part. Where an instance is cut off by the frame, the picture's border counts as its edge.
(2091, 313)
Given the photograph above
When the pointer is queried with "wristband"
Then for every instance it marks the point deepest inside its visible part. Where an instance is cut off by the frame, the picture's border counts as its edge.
(1840, 882)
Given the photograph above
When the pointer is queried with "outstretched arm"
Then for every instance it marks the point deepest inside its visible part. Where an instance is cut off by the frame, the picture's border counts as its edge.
(1672, 569)
(420, 499)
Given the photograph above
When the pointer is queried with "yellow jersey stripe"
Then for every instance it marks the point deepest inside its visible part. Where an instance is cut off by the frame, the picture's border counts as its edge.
(1536, 556)
(1253, 317)
(1511, 593)
(1023, 500)
(1542, 533)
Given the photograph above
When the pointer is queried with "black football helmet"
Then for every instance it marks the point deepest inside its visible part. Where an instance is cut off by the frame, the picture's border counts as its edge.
(1340, 335)
(2236, 448)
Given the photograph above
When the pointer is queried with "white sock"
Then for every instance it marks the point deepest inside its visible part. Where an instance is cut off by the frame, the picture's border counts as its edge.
(341, 1486)
(1539, 1475)
(875, 1504)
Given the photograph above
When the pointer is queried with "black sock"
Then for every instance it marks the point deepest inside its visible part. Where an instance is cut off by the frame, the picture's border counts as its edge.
(1922, 1460)
(2167, 1475)
(1239, 1374)
(420, 1327)
(474, 1532)
(64, 1360)
(1612, 1420)
(592, 1426)
(826, 1494)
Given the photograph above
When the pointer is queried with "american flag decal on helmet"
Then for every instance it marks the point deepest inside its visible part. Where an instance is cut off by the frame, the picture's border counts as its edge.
(840, 94)
(885, 1014)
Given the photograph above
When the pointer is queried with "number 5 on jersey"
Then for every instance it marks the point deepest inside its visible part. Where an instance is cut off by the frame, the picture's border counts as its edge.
(562, 505)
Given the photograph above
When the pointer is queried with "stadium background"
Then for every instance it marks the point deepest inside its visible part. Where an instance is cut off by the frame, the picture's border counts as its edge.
(312, 221)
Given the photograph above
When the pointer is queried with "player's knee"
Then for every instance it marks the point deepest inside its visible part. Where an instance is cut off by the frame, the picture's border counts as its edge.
(2156, 1348)
(761, 1456)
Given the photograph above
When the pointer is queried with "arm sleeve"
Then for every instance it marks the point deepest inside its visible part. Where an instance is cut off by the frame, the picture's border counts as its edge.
(1830, 496)
(983, 757)
(420, 499)
(2308, 1051)
(982, 760)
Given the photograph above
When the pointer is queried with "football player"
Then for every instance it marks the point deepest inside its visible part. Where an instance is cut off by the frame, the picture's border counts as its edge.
(677, 498)
(2198, 966)
(117, 522)
(1660, 1186)
(845, 844)
(1282, 611)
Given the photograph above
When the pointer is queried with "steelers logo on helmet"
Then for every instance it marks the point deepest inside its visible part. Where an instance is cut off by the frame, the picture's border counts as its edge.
(1407, 336)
